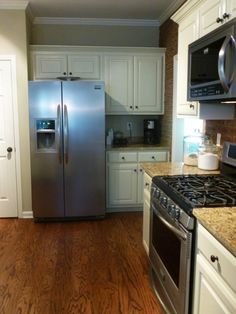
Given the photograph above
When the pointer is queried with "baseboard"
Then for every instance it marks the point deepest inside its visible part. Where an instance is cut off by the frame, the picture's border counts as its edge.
(27, 214)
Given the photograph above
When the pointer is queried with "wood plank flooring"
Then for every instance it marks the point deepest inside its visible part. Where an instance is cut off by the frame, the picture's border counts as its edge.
(89, 267)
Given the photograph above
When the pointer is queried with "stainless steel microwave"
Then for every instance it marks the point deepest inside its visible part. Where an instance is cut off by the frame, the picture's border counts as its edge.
(212, 66)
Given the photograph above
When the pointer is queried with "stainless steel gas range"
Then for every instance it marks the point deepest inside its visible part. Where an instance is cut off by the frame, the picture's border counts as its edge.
(172, 227)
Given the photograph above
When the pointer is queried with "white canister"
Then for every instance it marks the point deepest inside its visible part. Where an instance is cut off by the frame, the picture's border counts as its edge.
(208, 161)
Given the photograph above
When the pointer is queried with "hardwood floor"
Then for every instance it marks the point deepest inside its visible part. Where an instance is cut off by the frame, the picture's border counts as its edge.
(95, 267)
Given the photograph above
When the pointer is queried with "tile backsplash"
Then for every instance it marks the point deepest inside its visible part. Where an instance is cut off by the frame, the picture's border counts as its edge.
(227, 128)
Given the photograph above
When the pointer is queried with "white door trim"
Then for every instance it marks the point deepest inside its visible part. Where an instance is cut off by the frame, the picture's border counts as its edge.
(12, 59)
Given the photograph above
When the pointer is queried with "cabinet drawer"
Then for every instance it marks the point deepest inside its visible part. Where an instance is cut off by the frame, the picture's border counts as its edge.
(225, 266)
(122, 157)
(152, 156)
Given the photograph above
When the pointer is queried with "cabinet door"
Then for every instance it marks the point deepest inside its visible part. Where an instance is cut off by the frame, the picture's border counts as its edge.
(211, 294)
(146, 224)
(188, 32)
(84, 66)
(231, 8)
(49, 66)
(122, 180)
(149, 84)
(140, 186)
(118, 76)
(209, 11)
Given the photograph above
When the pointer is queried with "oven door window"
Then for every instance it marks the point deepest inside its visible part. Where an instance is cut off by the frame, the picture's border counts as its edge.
(168, 246)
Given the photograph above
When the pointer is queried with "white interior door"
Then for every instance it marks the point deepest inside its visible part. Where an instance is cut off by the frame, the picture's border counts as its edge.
(8, 182)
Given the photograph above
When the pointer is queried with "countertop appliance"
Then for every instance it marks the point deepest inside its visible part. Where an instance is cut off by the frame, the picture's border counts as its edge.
(212, 66)
(172, 232)
(67, 137)
(151, 131)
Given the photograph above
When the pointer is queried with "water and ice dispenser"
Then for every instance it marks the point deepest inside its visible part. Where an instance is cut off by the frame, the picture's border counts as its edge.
(45, 135)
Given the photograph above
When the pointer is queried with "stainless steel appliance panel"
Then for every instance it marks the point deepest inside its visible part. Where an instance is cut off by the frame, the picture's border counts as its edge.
(84, 148)
(46, 149)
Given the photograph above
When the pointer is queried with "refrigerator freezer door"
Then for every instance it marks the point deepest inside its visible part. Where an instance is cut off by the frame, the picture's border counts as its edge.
(84, 145)
(46, 149)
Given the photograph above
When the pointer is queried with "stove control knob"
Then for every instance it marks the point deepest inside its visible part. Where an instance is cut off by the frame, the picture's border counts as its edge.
(177, 213)
(157, 193)
(163, 200)
(170, 208)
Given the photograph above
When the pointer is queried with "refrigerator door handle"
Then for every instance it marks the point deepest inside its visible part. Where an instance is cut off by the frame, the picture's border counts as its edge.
(59, 133)
(66, 134)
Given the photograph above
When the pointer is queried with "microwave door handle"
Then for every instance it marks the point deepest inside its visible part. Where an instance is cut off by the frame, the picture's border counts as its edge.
(221, 63)
(176, 231)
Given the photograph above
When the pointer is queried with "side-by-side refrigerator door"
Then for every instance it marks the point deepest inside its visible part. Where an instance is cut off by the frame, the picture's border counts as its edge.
(84, 148)
(46, 149)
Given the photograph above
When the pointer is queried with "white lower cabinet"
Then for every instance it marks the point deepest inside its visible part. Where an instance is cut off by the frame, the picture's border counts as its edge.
(125, 177)
(215, 281)
(147, 181)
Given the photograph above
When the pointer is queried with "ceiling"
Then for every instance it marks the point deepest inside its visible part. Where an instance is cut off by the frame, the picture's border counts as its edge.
(104, 9)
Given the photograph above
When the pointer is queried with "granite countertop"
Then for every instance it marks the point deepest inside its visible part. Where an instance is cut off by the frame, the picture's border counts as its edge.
(210, 218)
(139, 147)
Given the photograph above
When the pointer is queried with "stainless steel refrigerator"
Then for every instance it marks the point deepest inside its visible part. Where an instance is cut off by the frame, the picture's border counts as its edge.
(67, 137)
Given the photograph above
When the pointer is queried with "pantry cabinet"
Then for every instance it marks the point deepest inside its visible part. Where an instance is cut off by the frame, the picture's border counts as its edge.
(125, 177)
(196, 19)
(215, 285)
(134, 84)
(51, 66)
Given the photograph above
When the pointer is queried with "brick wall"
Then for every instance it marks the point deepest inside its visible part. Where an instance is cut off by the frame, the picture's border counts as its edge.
(227, 128)
(168, 39)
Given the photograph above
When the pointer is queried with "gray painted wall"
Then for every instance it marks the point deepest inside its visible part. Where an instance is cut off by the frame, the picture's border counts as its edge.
(94, 35)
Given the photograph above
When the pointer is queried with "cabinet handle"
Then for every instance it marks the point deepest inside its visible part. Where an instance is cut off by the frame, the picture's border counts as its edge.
(191, 106)
(214, 258)
(219, 20)
(225, 15)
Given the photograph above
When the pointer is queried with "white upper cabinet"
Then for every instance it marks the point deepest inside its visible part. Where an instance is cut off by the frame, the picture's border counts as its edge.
(196, 19)
(134, 83)
(119, 76)
(188, 32)
(148, 84)
(51, 66)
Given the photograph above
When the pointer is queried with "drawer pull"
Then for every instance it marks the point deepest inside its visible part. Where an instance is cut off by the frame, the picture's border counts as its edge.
(146, 184)
(123, 158)
(141, 170)
(214, 258)
(153, 157)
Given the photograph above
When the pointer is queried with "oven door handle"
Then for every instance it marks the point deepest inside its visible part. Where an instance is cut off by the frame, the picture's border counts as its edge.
(176, 231)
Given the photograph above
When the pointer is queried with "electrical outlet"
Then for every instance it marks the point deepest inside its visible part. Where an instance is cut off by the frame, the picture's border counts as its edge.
(129, 126)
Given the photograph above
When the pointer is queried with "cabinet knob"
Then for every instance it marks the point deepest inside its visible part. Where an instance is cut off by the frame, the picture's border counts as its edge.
(219, 20)
(131, 107)
(153, 157)
(9, 149)
(136, 107)
(70, 73)
(64, 73)
(141, 170)
(123, 158)
(225, 15)
(146, 184)
(191, 106)
(135, 170)
(214, 258)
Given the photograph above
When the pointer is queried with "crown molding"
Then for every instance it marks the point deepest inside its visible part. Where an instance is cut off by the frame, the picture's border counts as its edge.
(170, 10)
(96, 21)
(185, 9)
(13, 5)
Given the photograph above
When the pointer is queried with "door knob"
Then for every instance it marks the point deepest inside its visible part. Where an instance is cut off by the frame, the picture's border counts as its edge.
(9, 149)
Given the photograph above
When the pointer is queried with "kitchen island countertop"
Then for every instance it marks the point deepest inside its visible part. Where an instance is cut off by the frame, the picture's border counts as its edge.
(210, 218)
